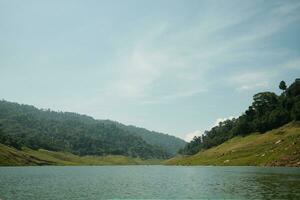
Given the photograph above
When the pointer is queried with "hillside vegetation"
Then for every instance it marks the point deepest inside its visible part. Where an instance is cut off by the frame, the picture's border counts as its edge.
(278, 147)
(26, 126)
(268, 111)
(169, 143)
(10, 156)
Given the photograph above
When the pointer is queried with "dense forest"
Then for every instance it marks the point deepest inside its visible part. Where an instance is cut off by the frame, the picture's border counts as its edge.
(268, 111)
(27, 126)
(170, 143)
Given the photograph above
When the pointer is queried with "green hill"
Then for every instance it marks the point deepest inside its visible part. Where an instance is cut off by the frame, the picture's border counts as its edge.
(26, 126)
(267, 111)
(278, 147)
(10, 156)
(169, 143)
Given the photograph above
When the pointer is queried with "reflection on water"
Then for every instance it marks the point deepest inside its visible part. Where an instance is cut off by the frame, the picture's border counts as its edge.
(148, 182)
(282, 186)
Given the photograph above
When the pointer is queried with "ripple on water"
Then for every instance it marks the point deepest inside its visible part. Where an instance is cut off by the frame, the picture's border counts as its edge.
(148, 182)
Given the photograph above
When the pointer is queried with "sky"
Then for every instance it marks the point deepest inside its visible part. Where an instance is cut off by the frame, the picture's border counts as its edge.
(178, 67)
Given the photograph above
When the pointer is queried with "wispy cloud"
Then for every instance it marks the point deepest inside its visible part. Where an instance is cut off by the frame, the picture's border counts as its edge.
(189, 136)
(138, 73)
(244, 81)
(127, 62)
(168, 63)
(186, 56)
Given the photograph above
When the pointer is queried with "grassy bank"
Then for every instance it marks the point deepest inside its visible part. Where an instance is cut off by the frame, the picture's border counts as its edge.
(13, 157)
(279, 147)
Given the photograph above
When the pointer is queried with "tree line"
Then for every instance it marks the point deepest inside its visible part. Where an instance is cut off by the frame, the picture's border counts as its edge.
(268, 111)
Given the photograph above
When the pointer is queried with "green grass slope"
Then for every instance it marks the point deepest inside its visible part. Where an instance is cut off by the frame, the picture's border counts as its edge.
(12, 157)
(278, 147)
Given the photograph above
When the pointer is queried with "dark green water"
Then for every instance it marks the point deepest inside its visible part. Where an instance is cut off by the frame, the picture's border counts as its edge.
(148, 182)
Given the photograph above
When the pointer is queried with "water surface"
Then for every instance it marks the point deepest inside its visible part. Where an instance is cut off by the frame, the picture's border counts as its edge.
(148, 182)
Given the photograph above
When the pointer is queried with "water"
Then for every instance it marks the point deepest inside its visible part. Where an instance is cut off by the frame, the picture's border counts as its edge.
(148, 182)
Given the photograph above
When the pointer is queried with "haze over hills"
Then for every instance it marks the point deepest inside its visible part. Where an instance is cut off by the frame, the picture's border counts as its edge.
(27, 126)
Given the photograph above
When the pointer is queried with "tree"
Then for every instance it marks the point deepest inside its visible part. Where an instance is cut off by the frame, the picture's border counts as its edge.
(264, 102)
(282, 86)
(294, 89)
(296, 111)
(1, 132)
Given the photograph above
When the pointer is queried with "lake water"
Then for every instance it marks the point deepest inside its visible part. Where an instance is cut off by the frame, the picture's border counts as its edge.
(148, 182)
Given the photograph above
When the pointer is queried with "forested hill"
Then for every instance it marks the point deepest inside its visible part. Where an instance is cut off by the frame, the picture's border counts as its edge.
(27, 126)
(168, 142)
(268, 111)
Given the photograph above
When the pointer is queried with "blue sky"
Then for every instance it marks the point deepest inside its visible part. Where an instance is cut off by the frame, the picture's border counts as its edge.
(172, 66)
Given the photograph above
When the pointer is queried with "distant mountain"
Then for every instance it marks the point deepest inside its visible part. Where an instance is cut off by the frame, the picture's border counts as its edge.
(27, 126)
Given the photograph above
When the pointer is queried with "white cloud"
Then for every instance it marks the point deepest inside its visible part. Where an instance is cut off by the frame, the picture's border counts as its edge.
(189, 136)
(251, 80)
(222, 120)
(138, 73)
